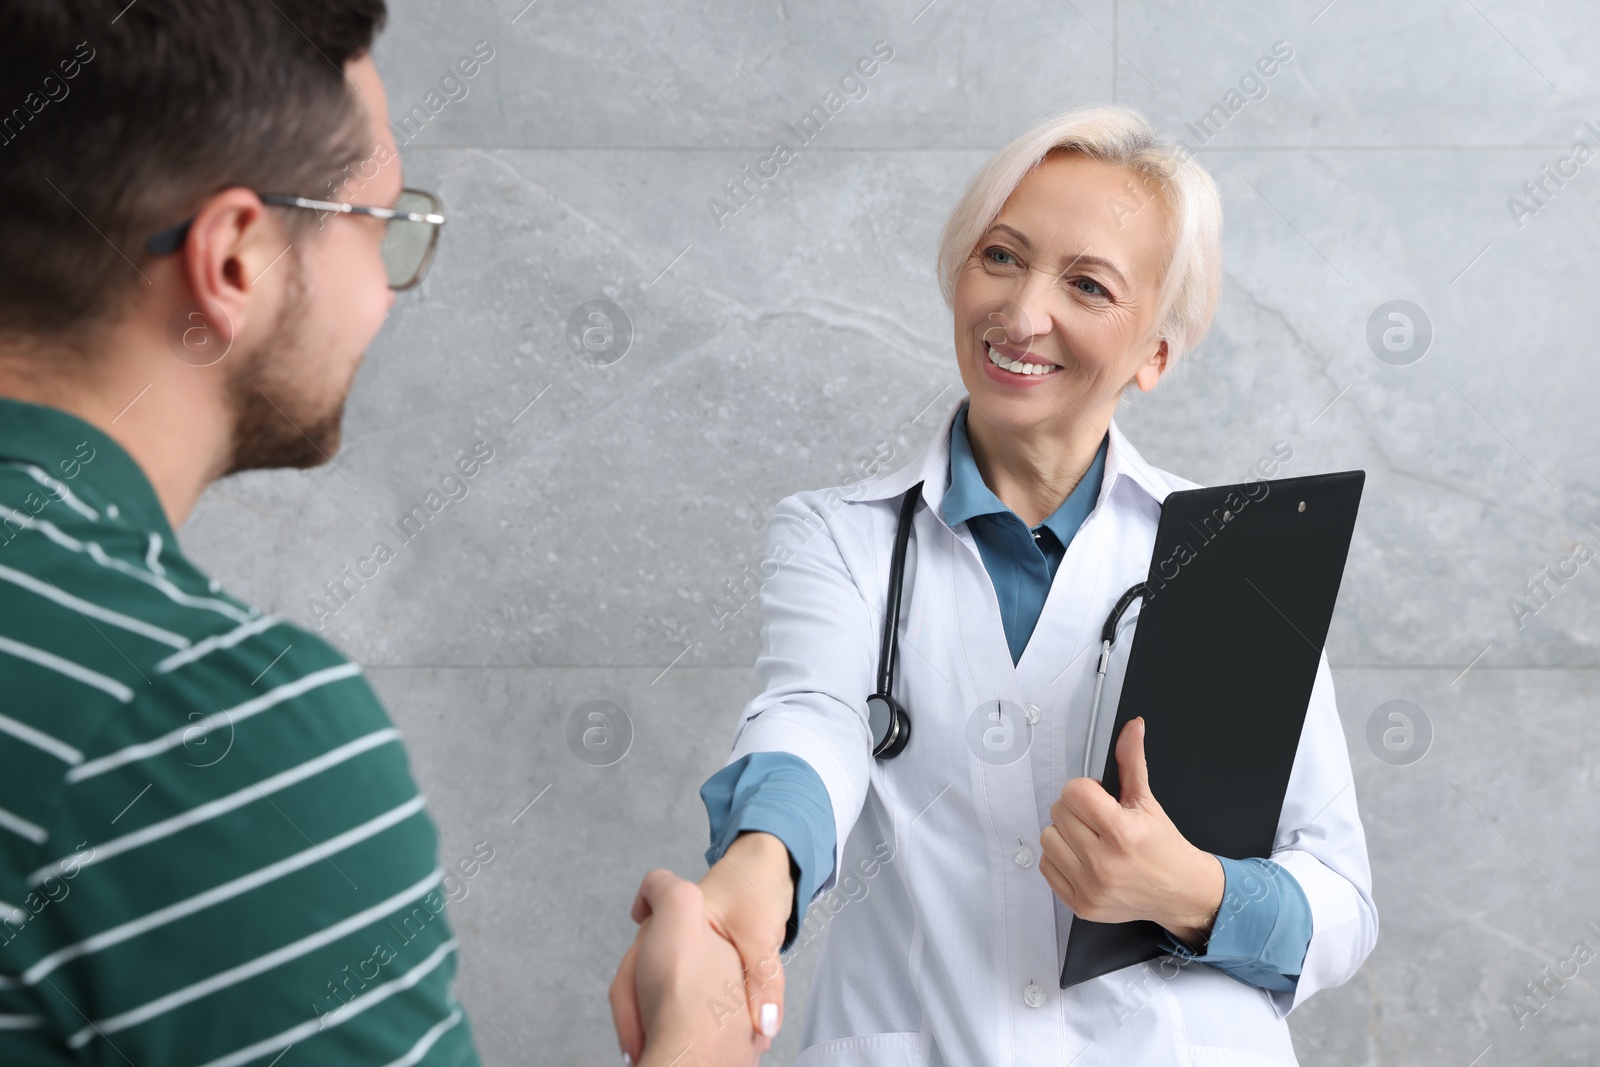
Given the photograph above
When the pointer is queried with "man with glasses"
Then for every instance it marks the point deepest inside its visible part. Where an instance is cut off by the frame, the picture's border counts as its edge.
(412, 230)
(211, 847)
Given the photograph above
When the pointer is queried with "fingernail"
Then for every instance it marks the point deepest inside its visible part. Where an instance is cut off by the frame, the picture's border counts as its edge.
(627, 1060)
(769, 1019)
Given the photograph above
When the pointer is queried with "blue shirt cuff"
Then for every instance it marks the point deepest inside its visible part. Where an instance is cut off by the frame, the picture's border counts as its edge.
(1262, 929)
(782, 795)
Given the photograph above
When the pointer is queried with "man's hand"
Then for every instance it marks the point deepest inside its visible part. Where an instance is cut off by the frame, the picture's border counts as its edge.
(1112, 860)
(677, 997)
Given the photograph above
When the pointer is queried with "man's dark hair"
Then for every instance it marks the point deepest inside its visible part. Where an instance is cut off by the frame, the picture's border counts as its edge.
(117, 120)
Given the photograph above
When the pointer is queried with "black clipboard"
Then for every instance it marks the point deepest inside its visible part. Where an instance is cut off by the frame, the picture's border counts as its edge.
(1241, 590)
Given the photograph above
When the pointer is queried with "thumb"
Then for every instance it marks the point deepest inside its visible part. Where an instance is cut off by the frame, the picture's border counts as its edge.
(651, 889)
(1132, 771)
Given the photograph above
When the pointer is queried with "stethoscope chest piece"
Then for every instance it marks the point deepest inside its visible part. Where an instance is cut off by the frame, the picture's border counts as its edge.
(891, 726)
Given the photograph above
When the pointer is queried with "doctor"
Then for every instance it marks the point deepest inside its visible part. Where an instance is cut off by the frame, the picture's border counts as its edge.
(1081, 261)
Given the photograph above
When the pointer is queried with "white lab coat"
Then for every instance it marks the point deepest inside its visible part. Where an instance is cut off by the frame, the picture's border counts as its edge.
(936, 920)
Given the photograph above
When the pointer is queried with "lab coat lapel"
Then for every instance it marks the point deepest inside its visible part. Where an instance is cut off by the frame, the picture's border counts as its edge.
(1056, 669)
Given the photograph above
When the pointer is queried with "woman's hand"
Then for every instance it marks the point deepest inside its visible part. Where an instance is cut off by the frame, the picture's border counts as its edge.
(749, 894)
(1112, 860)
(704, 972)
(670, 1001)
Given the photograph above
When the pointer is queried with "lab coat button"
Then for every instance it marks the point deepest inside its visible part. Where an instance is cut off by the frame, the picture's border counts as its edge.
(1031, 714)
(1033, 996)
(1023, 855)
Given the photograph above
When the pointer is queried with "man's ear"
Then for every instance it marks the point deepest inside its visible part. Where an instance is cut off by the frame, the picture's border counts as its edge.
(231, 243)
(1154, 367)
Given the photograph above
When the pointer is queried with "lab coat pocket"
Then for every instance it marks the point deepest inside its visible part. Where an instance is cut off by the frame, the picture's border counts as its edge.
(867, 1050)
(1225, 1021)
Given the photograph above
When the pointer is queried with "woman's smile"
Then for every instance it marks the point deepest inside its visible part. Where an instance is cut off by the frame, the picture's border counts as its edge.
(1010, 367)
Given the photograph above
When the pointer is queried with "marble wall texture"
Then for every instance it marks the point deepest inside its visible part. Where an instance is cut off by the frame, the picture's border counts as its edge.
(773, 347)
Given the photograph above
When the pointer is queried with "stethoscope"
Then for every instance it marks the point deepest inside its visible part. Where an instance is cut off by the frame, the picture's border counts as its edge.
(888, 719)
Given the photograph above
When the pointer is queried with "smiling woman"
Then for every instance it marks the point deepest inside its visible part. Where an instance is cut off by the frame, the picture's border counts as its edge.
(1127, 150)
(1081, 261)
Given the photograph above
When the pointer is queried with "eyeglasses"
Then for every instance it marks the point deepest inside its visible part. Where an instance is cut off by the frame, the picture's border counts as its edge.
(409, 237)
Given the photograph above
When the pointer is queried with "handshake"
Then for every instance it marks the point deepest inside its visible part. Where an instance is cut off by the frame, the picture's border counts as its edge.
(703, 952)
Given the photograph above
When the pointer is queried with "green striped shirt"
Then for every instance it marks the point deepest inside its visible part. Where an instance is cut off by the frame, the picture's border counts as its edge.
(212, 851)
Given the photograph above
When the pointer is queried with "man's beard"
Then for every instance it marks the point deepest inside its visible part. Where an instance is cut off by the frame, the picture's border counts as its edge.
(276, 422)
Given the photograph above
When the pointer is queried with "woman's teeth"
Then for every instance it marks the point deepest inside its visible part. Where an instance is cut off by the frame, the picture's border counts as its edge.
(1017, 366)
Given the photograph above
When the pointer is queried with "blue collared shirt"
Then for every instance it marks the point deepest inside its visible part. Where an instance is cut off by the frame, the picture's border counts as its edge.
(1021, 562)
(1263, 927)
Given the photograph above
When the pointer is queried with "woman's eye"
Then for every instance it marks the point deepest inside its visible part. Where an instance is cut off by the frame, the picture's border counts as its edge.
(992, 251)
(1094, 287)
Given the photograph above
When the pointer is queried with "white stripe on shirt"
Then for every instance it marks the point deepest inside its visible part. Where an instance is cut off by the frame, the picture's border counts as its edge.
(185, 735)
(98, 554)
(216, 641)
(65, 495)
(226, 891)
(51, 591)
(40, 740)
(22, 827)
(370, 999)
(221, 806)
(427, 1040)
(77, 672)
(244, 971)
(152, 556)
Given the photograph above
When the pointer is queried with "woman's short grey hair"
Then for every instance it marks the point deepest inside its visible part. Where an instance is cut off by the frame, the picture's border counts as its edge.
(1122, 136)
